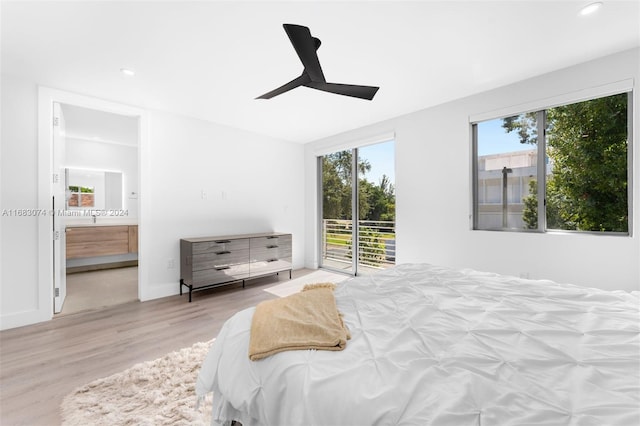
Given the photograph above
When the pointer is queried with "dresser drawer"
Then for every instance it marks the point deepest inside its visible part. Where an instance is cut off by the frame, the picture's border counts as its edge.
(270, 248)
(215, 246)
(221, 274)
(270, 266)
(277, 240)
(219, 258)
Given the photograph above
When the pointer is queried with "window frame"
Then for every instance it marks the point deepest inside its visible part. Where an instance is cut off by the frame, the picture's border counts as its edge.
(541, 122)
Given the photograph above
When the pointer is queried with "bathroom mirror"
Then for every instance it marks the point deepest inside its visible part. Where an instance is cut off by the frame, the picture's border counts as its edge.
(93, 189)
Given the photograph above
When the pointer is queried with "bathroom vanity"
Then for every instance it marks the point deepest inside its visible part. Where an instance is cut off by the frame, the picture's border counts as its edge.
(101, 246)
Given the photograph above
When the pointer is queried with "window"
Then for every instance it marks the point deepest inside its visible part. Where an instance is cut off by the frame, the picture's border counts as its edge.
(81, 196)
(562, 168)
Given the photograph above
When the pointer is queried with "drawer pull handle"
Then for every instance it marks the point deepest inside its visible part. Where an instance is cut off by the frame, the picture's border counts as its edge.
(223, 252)
(222, 241)
(272, 260)
(271, 238)
(222, 268)
(272, 247)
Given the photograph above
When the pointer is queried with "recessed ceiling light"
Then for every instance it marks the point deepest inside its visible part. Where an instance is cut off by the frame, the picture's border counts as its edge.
(590, 8)
(127, 71)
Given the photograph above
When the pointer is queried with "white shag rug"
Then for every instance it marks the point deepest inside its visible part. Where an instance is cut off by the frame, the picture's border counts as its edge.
(158, 392)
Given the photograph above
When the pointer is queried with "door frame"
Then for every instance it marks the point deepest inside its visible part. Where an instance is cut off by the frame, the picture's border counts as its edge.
(58, 189)
(46, 98)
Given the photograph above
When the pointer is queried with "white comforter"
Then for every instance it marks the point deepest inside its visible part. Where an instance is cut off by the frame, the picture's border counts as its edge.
(436, 346)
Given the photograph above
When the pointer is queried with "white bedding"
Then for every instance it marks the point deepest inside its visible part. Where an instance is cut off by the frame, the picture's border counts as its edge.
(436, 346)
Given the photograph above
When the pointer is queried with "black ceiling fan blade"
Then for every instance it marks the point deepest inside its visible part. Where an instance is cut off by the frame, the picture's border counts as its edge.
(306, 46)
(362, 92)
(296, 82)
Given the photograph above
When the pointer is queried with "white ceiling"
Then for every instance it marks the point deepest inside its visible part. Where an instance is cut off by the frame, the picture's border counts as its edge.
(210, 59)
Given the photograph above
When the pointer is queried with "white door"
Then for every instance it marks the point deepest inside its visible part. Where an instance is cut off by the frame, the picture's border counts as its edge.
(59, 204)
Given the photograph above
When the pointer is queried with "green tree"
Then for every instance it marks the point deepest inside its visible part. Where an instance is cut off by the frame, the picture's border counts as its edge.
(530, 210)
(382, 201)
(336, 184)
(333, 190)
(377, 202)
(587, 145)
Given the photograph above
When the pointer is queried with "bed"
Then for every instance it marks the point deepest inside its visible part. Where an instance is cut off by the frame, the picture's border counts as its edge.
(438, 346)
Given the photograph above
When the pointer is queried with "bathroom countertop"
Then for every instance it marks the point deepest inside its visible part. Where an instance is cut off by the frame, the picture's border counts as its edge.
(103, 222)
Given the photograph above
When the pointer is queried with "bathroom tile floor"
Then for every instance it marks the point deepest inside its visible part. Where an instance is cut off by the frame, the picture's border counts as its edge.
(98, 289)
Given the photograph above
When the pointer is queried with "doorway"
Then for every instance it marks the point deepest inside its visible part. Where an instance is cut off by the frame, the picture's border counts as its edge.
(357, 206)
(64, 201)
(98, 152)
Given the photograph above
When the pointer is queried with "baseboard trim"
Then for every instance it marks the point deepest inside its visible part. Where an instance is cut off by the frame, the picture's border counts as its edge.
(21, 319)
(159, 290)
(98, 267)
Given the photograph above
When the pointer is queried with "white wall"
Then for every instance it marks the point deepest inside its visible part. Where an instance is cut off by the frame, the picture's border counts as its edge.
(436, 142)
(262, 179)
(250, 183)
(95, 155)
(18, 265)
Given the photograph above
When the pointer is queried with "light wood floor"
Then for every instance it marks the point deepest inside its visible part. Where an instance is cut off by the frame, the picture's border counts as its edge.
(40, 364)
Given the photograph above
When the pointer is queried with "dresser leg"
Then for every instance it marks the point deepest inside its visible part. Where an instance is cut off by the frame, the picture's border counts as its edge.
(190, 287)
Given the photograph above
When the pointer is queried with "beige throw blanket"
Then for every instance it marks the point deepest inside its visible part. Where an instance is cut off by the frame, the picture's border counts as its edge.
(305, 320)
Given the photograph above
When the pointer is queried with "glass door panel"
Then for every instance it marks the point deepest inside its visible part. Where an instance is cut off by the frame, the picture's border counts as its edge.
(376, 208)
(337, 211)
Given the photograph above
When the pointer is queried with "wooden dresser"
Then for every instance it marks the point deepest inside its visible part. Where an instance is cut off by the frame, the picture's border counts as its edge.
(207, 262)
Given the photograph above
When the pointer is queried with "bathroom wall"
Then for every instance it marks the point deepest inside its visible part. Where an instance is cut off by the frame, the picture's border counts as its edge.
(96, 155)
(98, 140)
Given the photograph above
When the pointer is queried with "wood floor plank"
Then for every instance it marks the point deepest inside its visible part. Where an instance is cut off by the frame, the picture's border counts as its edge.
(42, 363)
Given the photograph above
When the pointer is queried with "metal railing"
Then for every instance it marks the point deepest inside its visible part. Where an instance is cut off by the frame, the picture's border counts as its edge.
(376, 242)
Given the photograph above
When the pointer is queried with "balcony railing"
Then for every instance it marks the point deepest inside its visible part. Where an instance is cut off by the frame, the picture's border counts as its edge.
(376, 242)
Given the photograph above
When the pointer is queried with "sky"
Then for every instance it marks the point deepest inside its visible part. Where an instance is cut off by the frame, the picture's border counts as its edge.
(381, 156)
(493, 139)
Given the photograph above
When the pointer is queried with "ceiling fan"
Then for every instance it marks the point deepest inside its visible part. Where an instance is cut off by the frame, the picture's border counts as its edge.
(306, 45)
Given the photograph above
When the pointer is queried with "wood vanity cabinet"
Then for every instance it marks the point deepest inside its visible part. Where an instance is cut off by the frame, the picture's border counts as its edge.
(133, 239)
(208, 262)
(94, 241)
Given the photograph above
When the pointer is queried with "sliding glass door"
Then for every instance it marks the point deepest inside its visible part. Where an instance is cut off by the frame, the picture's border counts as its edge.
(376, 207)
(337, 210)
(357, 204)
